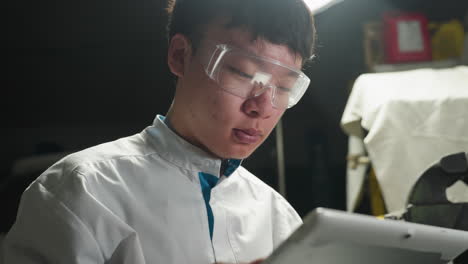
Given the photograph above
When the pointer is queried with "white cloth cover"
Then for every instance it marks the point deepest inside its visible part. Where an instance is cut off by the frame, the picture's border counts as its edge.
(414, 118)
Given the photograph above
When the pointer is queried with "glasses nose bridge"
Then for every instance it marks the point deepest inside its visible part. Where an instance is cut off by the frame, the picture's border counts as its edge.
(259, 89)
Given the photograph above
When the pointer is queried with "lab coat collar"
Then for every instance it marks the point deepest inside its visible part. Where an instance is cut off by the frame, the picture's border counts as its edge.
(183, 154)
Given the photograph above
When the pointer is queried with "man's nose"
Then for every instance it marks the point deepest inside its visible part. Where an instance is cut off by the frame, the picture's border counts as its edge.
(259, 104)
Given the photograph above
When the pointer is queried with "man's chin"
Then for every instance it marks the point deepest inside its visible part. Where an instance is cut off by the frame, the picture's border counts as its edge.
(238, 153)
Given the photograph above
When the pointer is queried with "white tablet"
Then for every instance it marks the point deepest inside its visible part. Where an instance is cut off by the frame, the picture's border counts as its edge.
(336, 237)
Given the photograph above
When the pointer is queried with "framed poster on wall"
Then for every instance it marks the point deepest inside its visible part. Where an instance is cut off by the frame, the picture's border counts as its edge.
(406, 38)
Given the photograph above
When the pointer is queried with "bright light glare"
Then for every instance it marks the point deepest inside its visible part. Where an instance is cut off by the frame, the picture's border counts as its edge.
(317, 6)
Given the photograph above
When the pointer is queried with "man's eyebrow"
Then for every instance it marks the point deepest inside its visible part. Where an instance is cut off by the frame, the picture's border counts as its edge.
(290, 73)
(263, 61)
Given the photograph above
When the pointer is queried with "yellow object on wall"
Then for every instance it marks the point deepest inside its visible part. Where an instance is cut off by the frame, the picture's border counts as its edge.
(447, 41)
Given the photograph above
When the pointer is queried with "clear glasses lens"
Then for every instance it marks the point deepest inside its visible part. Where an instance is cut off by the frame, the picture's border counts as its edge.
(245, 75)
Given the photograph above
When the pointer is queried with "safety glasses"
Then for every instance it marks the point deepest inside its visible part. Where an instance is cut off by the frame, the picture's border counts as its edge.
(246, 75)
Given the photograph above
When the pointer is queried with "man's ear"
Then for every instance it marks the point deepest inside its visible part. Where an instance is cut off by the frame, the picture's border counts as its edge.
(178, 54)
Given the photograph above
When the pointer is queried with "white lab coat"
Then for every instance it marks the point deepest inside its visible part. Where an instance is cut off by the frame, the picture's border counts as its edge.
(138, 200)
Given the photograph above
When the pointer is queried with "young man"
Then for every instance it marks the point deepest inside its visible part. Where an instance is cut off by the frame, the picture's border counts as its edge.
(176, 193)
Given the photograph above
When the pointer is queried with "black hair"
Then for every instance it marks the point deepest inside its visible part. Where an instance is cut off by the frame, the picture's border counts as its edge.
(282, 22)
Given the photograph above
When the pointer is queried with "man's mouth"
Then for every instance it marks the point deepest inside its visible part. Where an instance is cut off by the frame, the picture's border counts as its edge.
(247, 136)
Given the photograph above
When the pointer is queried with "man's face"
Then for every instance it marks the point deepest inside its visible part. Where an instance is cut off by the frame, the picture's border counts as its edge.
(226, 125)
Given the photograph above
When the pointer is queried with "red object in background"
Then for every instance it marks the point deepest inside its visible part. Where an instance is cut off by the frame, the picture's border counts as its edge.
(406, 38)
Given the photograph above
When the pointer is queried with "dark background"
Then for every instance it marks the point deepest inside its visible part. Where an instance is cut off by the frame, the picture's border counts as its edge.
(79, 73)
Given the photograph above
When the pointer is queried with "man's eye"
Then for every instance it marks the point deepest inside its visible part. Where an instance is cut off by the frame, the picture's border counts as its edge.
(239, 72)
(283, 89)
